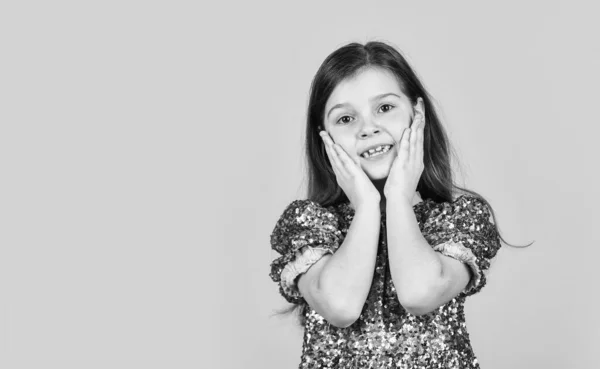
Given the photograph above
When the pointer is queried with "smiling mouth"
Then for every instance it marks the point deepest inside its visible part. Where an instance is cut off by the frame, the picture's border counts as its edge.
(377, 154)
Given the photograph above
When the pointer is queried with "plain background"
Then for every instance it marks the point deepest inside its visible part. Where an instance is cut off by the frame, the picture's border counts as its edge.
(148, 148)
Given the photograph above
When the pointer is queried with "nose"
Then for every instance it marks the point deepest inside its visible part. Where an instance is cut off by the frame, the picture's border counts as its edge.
(369, 128)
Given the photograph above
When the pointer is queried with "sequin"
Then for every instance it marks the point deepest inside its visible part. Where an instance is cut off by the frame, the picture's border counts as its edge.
(386, 335)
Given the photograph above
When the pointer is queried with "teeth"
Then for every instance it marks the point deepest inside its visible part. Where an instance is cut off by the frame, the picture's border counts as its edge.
(377, 151)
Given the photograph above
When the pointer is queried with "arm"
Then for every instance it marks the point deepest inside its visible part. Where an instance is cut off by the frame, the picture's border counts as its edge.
(424, 279)
(337, 286)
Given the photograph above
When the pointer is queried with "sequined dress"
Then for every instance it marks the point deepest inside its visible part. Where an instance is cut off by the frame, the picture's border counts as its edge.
(386, 335)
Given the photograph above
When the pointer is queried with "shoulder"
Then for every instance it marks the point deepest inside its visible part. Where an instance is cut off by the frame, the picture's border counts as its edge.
(466, 212)
(467, 220)
(302, 205)
(472, 204)
(307, 213)
(305, 222)
(462, 206)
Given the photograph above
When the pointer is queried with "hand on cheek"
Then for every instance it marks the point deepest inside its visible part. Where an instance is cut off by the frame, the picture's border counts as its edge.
(349, 175)
(408, 165)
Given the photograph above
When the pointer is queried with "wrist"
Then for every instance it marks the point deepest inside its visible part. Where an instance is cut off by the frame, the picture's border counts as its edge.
(398, 199)
(368, 206)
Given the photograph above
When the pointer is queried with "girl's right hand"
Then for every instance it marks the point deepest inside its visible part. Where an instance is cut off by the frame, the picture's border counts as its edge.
(349, 175)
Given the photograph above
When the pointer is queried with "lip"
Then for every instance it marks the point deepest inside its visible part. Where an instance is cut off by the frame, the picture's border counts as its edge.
(378, 157)
(376, 145)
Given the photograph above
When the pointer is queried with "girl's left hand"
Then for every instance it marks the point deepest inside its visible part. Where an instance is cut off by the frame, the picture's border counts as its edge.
(408, 165)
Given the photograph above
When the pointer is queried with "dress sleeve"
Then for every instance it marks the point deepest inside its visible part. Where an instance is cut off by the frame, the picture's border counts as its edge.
(304, 233)
(463, 230)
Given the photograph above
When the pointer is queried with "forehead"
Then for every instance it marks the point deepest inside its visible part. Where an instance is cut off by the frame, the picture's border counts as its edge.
(364, 85)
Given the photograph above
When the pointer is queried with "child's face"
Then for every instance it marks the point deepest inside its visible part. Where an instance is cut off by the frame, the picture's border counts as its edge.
(373, 111)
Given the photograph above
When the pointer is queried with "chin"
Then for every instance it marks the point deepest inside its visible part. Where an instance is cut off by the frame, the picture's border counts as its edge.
(377, 174)
(378, 170)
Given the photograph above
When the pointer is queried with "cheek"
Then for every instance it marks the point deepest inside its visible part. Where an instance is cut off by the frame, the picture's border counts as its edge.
(396, 121)
(350, 150)
(401, 123)
(346, 143)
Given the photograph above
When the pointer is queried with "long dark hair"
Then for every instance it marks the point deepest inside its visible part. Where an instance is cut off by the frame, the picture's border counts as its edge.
(436, 182)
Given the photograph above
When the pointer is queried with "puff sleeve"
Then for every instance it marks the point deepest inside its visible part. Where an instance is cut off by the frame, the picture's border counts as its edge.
(305, 232)
(463, 230)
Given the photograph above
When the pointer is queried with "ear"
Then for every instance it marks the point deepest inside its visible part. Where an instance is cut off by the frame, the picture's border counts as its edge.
(419, 108)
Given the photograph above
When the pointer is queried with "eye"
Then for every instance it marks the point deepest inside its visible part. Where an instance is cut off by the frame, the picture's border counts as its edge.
(345, 119)
(386, 107)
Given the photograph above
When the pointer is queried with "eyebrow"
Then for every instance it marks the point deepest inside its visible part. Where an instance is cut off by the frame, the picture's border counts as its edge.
(378, 97)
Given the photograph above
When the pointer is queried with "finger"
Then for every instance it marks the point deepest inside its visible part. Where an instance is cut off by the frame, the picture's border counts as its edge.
(404, 145)
(345, 159)
(412, 122)
(357, 161)
(327, 149)
(333, 156)
(420, 142)
(413, 140)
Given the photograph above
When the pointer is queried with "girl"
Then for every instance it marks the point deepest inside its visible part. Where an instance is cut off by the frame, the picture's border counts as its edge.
(382, 255)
